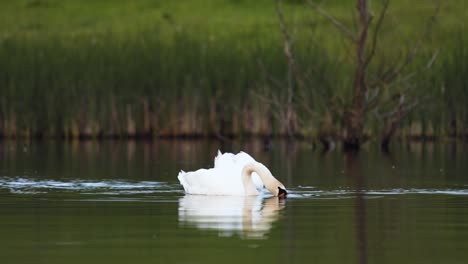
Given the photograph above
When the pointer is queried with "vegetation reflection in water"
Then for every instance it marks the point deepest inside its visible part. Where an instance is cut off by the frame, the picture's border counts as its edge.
(121, 202)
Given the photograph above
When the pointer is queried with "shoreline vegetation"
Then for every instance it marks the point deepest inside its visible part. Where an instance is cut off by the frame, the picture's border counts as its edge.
(207, 68)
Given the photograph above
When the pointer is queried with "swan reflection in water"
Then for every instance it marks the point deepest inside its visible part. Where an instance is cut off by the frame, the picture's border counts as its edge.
(246, 216)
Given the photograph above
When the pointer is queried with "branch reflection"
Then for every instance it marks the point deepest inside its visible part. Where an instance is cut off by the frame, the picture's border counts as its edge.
(354, 170)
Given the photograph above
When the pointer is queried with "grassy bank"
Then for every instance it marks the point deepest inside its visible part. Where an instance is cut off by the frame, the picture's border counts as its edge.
(199, 68)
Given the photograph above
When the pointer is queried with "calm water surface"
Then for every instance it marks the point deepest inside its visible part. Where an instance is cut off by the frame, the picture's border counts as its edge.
(120, 202)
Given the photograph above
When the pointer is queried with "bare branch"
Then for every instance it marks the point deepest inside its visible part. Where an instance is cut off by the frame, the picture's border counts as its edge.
(288, 51)
(372, 97)
(293, 70)
(425, 34)
(433, 59)
(348, 33)
(376, 31)
(279, 111)
(410, 75)
(393, 73)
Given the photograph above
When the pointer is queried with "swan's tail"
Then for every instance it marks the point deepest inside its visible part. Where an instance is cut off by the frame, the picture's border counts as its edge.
(182, 180)
(218, 156)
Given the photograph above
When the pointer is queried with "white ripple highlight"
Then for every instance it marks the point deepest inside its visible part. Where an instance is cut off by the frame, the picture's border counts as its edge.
(311, 192)
(20, 185)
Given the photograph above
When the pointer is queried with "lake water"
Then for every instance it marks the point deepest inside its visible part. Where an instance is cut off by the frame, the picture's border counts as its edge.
(120, 202)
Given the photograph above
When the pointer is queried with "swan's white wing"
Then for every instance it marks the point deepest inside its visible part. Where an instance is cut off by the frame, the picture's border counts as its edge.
(211, 182)
(224, 160)
(243, 158)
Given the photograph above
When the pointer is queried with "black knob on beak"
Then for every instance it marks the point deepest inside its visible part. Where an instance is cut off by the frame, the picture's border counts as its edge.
(282, 193)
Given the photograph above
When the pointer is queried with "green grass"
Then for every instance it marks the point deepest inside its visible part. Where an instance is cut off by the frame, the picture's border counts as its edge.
(200, 67)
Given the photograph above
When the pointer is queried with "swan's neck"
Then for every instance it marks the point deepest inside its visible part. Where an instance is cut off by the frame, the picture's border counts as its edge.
(270, 182)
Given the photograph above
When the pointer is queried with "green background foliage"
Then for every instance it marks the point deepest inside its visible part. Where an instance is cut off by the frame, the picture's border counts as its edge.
(202, 67)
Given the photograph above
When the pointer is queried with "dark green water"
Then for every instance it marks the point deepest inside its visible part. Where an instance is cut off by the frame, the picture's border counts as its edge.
(120, 202)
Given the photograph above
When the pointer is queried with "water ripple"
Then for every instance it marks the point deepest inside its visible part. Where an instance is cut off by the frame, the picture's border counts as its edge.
(105, 187)
(23, 185)
(305, 192)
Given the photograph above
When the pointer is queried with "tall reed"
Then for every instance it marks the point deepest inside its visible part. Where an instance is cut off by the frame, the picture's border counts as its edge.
(186, 81)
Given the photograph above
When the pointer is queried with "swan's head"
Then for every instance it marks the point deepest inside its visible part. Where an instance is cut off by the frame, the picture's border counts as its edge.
(282, 193)
(275, 186)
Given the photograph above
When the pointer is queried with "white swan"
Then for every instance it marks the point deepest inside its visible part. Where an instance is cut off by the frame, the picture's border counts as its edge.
(231, 175)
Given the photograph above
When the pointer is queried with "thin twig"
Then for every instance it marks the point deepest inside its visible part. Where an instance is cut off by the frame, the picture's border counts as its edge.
(292, 67)
(410, 75)
(333, 20)
(393, 73)
(433, 59)
(377, 28)
(287, 42)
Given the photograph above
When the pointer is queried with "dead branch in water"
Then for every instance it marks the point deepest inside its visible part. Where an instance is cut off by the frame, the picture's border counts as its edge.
(294, 74)
(366, 95)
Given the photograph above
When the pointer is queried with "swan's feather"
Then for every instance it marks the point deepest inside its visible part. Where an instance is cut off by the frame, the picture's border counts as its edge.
(223, 179)
(211, 182)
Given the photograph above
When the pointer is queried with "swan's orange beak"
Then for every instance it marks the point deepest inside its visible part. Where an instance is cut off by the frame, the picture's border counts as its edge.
(282, 193)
